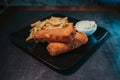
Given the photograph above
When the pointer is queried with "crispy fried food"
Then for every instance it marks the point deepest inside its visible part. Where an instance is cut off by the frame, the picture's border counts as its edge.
(51, 23)
(56, 48)
(59, 32)
(55, 35)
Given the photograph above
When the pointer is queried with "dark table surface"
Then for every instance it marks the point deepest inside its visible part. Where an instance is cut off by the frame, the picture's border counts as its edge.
(15, 64)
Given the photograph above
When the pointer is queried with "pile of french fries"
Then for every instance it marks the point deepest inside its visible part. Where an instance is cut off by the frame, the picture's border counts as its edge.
(51, 23)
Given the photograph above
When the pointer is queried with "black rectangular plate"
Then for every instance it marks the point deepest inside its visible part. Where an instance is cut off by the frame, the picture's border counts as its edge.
(64, 61)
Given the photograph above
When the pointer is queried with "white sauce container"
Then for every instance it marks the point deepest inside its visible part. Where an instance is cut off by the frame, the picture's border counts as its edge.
(89, 27)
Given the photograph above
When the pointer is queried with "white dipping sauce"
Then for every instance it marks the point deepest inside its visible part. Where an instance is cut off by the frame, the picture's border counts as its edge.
(89, 27)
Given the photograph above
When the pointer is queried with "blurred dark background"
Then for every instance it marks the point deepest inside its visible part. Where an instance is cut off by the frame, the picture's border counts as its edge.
(6, 3)
(59, 2)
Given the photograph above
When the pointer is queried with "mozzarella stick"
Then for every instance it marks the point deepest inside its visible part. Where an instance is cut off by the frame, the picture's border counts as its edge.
(55, 35)
(56, 48)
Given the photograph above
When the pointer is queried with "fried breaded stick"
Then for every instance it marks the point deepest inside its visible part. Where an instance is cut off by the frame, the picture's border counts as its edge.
(56, 48)
(55, 35)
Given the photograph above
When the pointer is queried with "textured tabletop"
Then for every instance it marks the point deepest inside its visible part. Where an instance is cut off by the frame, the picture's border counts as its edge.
(104, 64)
